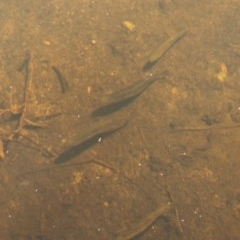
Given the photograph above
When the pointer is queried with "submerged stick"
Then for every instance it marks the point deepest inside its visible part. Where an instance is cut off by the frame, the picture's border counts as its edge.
(200, 129)
(62, 80)
(24, 65)
(144, 224)
(27, 89)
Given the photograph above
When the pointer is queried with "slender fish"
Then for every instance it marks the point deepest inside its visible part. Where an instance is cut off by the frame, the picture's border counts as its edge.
(135, 89)
(119, 99)
(98, 127)
(89, 136)
(163, 48)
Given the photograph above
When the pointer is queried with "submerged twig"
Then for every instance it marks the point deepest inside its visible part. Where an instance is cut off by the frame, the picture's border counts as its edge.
(18, 113)
(1, 150)
(144, 223)
(24, 65)
(27, 89)
(62, 80)
(200, 129)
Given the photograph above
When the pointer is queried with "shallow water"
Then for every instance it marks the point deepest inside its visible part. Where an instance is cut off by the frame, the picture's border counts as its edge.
(198, 171)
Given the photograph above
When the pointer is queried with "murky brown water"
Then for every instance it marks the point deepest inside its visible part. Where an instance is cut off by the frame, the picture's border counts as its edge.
(181, 143)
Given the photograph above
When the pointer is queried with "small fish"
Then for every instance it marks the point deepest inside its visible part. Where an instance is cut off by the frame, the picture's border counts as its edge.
(62, 80)
(119, 99)
(142, 225)
(89, 136)
(163, 48)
